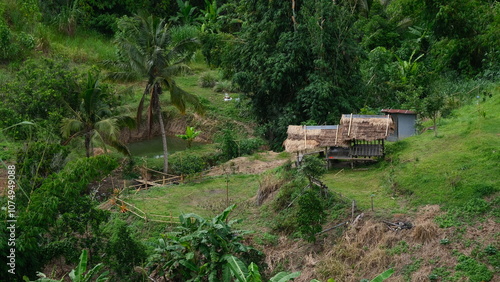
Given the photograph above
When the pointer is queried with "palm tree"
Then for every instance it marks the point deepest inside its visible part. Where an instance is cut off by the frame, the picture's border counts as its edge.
(147, 49)
(94, 121)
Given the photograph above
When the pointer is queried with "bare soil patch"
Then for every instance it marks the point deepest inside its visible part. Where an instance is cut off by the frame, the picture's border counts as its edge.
(255, 164)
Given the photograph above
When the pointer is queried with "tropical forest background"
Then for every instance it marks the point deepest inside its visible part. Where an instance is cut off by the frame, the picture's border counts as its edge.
(82, 80)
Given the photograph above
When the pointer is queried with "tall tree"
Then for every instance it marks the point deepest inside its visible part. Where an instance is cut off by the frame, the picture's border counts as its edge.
(297, 63)
(147, 48)
(93, 120)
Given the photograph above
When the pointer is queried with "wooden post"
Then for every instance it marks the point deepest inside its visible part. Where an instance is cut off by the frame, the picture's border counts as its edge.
(353, 208)
(336, 134)
(305, 136)
(387, 127)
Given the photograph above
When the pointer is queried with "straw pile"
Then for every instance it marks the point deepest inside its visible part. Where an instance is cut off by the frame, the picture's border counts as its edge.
(302, 138)
(359, 127)
(365, 127)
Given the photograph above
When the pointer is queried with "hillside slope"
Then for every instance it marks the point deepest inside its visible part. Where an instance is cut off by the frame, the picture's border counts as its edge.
(447, 187)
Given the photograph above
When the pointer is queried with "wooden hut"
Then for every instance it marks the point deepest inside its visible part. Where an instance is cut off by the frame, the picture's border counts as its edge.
(364, 135)
(357, 137)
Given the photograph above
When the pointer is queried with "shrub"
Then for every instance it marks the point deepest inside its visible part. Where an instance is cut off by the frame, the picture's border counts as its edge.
(311, 215)
(484, 190)
(228, 144)
(199, 248)
(124, 251)
(224, 86)
(250, 145)
(207, 80)
(186, 163)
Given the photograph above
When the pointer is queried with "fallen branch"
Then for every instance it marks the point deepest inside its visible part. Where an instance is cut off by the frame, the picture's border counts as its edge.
(331, 228)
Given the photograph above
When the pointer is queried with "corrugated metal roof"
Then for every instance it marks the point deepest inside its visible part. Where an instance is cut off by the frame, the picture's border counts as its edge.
(395, 111)
(364, 116)
(314, 127)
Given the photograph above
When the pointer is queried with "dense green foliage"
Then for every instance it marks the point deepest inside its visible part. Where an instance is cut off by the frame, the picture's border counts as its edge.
(43, 88)
(296, 71)
(295, 62)
(201, 248)
(59, 218)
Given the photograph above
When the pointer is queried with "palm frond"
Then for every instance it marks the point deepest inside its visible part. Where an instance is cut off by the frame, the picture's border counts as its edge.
(70, 126)
(120, 147)
(125, 121)
(107, 128)
(175, 69)
(179, 98)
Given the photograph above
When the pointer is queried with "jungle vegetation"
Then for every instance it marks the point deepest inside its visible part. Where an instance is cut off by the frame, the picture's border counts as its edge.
(75, 73)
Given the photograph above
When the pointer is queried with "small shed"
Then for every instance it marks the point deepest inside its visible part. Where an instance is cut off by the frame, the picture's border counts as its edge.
(405, 121)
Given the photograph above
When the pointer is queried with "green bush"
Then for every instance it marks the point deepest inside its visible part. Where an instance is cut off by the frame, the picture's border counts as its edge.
(186, 163)
(484, 190)
(123, 251)
(311, 215)
(207, 80)
(199, 248)
(224, 86)
(266, 239)
(250, 145)
(228, 144)
(468, 213)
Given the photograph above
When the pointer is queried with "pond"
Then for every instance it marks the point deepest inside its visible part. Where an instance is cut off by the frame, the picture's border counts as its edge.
(154, 147)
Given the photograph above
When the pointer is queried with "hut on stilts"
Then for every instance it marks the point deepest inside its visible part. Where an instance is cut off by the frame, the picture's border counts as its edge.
(357, 137)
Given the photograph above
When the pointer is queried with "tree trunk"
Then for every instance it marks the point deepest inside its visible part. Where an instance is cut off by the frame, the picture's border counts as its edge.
(87, 144)
(164, 141)
(163, 133)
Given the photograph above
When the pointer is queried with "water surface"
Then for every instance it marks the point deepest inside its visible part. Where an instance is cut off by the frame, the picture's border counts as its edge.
(154, 147)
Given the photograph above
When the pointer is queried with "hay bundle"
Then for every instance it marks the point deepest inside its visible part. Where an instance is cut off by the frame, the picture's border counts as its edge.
(366, 127)
(301, 139)
(330, 137)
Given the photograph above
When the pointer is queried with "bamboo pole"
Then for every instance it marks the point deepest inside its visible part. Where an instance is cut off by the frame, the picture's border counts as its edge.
(337, 134)
(349, 131)
(387, 127)
(305, 136)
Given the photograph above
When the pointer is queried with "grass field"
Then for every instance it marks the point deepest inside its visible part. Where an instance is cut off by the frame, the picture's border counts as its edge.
(206, 198)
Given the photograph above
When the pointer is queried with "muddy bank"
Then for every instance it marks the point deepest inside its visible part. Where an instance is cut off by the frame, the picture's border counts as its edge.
(173, 126)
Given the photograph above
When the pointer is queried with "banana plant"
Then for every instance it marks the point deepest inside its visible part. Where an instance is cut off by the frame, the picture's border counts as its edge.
(408, 68)
(189, 136)
(78, 274)
(237, 269)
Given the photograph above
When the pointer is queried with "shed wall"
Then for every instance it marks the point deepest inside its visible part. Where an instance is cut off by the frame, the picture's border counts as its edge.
(406, 126)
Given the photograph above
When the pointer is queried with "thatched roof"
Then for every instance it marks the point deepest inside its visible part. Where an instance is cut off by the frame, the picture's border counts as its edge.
(365, 127)
(303, 138)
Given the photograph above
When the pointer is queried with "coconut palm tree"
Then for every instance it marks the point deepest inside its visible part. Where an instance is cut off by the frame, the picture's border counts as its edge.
(94, 121)
(146, 48)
